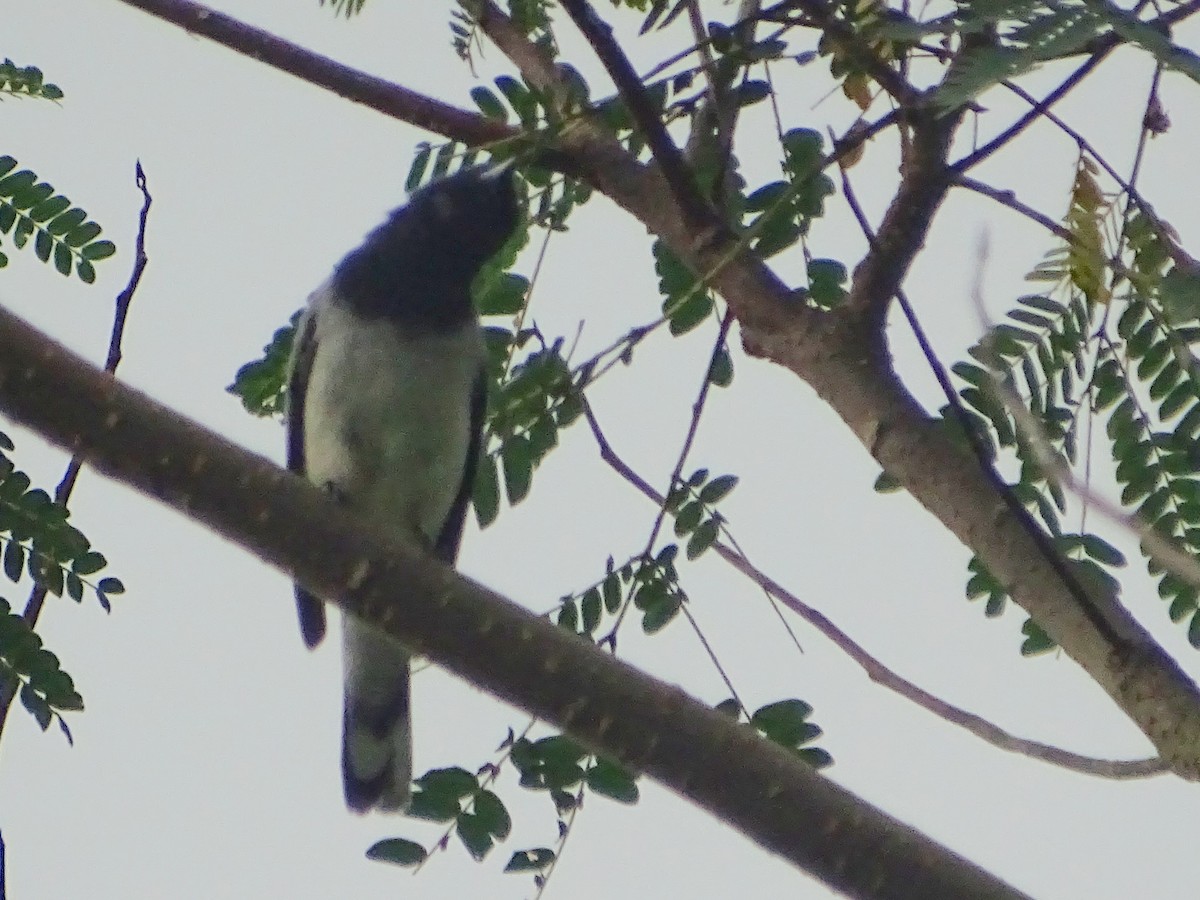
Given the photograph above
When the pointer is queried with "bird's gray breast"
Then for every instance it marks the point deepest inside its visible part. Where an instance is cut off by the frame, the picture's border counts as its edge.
(388, 416)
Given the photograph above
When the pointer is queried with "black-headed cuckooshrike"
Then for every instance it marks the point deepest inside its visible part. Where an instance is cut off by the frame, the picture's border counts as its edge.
(386, 405)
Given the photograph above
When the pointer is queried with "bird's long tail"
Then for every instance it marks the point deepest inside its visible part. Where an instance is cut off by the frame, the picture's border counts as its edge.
(377, 723)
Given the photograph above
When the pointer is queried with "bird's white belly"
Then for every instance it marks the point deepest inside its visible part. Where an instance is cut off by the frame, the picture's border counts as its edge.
(387, 418)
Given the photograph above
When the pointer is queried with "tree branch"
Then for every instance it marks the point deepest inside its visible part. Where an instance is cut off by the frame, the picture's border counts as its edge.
(383, 96)
(923, 186)
(751, 783)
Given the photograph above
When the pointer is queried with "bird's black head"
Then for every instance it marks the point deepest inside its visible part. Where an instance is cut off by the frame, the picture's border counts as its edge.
(417, 267)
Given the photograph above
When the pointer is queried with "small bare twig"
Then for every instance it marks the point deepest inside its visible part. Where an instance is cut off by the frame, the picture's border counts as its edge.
(1009, 198)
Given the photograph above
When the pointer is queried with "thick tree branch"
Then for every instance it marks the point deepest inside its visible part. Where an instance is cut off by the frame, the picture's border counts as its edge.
(751, 783)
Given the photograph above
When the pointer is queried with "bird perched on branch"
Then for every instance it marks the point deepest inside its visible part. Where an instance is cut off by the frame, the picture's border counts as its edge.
(386, 403)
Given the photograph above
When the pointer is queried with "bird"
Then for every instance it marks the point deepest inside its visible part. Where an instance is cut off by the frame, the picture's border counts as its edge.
(387, 394)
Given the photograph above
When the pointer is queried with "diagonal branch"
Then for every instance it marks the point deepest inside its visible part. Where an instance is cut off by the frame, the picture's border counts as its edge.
(756, 786)
(379, 94)
(692, 205)
(923, 186)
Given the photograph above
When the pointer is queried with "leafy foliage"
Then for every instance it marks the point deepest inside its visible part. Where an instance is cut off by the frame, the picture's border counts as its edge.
(786, 722)
(261, 384)
(61, 233)
(30, 671)
(38, 541)
(1040, 32)
(35, 540)
(347, 8)
(26, 81)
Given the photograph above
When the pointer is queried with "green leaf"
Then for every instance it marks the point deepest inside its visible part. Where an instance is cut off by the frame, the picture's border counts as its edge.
(688, 518)
(815, 757)
(492, 815)
(689, 313)
(784, 722)
(608, 779)
(111, 586)
(36, 706)
(1036, 640)
(717, 489)
(489, 104)
(502, 295)
(398, 851)
(703, 538)
(1179, 292)
(1102, 551)
(486, 494)
(568, 616)
(517, 460)
(534, 860)
(453, 781)
(589, 607)
(659, 609)
(14, 560)
(612, 593)
(826, 278)
(886, 484)
(416, 172)
(720, 370)
(751, 92)
(98, 250)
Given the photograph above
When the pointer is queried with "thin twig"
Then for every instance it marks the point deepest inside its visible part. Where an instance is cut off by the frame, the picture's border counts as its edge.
(1040, 108)
(876, 670)
(1009, 198)
(693, 428)
(62, 494)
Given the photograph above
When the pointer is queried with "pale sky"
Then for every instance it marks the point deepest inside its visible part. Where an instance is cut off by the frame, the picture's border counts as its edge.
(206, 762)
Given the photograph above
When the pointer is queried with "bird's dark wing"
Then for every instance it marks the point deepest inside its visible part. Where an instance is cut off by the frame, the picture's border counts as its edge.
(310, 609)
(446, 547)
